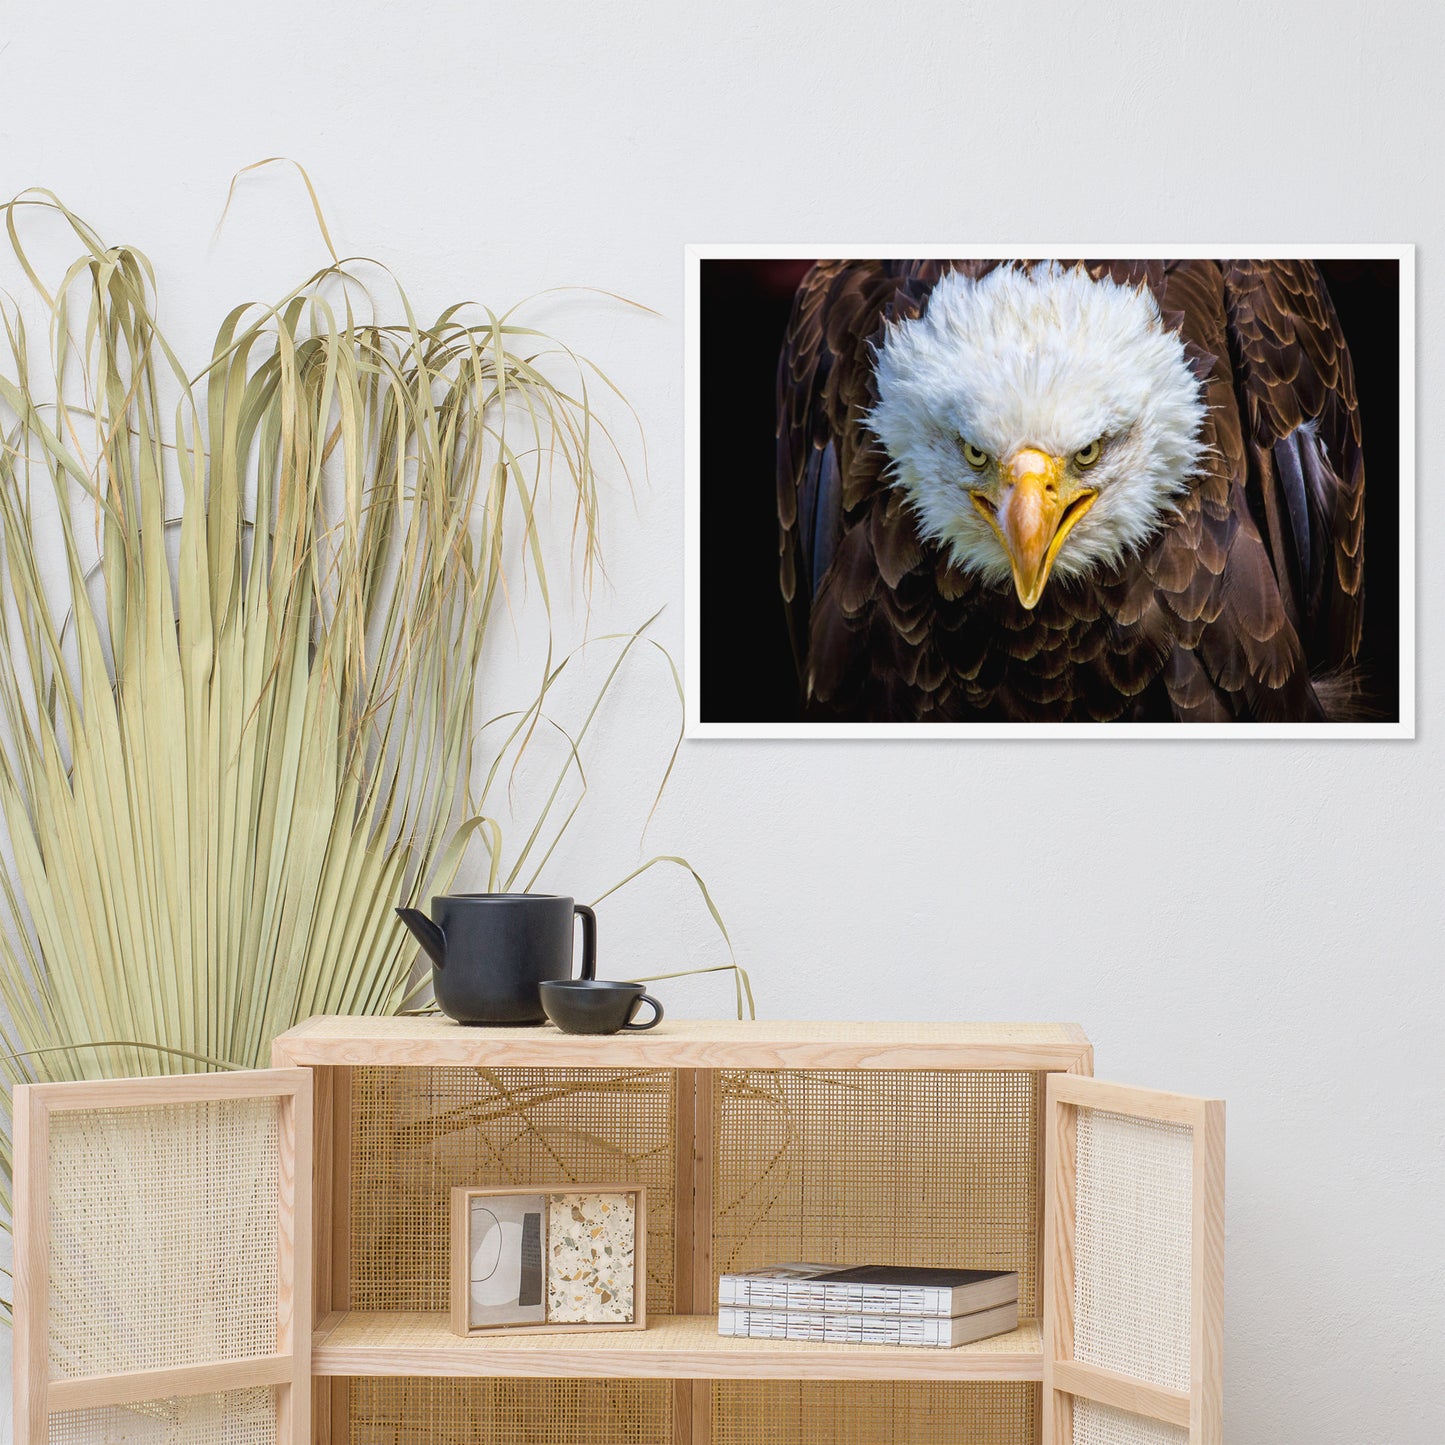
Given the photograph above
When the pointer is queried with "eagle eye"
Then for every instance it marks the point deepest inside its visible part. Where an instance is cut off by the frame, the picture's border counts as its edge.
(1085, 457)
(977, 459)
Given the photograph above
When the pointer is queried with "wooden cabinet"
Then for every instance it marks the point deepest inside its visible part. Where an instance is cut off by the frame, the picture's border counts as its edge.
(982, 1144)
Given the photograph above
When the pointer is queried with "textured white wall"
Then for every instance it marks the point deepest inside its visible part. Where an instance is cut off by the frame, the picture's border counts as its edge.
(1258, 921)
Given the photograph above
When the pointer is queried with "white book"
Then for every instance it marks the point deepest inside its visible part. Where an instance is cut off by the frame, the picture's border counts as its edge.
(843, 1329)
(869, 1289)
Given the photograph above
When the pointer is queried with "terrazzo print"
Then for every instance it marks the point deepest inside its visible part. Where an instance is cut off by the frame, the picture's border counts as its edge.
(591, 1263)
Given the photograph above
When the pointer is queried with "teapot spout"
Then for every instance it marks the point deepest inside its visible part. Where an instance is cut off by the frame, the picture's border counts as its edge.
(431, 938)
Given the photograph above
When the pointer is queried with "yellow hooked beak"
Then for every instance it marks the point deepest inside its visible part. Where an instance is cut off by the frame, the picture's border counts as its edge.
(1037, 508)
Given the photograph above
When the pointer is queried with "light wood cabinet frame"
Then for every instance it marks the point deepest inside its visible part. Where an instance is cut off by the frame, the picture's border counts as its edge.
(1199, 1410)
(37, 1393)
(321, 1341)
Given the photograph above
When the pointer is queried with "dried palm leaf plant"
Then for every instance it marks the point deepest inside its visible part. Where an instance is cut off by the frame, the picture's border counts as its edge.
(242, 614)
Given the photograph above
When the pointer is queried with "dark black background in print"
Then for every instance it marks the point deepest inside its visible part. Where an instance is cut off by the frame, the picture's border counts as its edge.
(746, 665)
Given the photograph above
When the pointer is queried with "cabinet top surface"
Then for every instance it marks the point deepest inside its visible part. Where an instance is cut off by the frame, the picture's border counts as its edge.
(687, 1043)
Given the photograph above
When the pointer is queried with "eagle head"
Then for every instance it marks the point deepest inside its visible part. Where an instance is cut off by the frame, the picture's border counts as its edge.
(1038, 421)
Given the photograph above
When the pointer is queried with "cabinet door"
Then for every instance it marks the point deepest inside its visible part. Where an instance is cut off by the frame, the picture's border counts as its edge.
(1133, 1266)
(162, 1260)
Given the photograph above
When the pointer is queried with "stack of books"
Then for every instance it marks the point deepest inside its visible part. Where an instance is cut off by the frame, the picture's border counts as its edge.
(871, 1304)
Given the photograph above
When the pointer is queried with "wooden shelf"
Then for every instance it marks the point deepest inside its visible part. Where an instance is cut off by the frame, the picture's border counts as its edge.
(672, 1347)
(688, 1044)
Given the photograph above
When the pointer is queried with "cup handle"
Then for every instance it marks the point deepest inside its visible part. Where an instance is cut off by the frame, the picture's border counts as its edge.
(653, 1022)
(589, 940)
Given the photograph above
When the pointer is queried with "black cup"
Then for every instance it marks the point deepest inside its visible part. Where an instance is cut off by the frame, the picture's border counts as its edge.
(596, 1006)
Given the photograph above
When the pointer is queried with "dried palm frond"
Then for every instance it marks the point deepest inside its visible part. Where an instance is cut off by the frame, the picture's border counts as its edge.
(243, 613)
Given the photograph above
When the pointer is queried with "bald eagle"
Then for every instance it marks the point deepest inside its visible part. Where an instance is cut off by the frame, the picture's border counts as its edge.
(1127, 490)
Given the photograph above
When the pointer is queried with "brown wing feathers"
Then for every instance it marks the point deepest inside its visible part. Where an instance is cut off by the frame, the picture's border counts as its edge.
(1296, 393)
(1257, 581)
(826, 461)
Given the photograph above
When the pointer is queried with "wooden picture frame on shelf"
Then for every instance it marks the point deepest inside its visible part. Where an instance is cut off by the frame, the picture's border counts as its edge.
(563, 1259)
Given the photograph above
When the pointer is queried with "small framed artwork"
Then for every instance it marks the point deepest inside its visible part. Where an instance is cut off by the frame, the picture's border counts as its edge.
(558, 1259)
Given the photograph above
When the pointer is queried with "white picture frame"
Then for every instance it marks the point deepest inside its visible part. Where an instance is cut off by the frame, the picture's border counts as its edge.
(700, 726)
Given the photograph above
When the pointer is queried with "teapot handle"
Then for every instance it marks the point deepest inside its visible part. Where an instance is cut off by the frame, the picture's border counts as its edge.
(589, 940)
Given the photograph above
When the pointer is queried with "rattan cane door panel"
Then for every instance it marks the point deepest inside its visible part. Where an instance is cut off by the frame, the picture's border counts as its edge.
(1134, 1261)
(1105, 1425)
(230, 1417)
(1133, 1245)
(163, 1237)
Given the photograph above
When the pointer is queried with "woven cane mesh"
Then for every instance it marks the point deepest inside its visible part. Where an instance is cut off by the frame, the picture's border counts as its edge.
(1096, 1424)
(416, 1133)
(234, 1417)
(1132, 1247)
(163, 1247)
(878, 1167)
(778, 1412)
(406, 1411)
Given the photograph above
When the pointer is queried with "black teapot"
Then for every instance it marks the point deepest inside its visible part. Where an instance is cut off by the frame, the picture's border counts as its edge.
(491, 951)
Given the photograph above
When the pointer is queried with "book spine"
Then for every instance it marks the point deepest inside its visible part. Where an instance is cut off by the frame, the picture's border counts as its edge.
(834, 1328)
(744, 1292)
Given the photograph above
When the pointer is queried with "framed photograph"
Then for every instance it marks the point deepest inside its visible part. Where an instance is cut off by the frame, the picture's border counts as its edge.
(953, 491)
(559, 1259)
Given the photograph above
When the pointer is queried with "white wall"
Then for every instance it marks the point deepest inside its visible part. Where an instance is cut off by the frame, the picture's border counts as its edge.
(1258, 921)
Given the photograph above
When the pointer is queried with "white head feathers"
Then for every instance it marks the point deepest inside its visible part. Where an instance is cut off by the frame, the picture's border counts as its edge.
(1045, 358)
